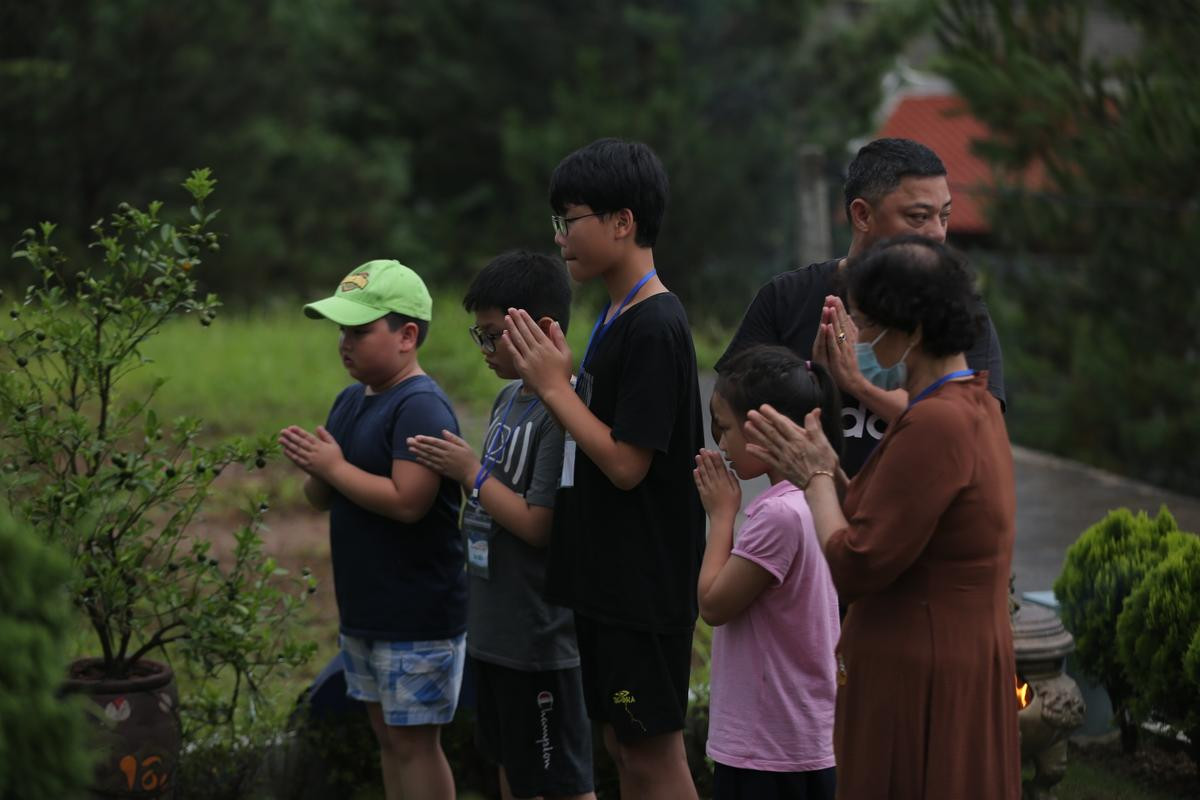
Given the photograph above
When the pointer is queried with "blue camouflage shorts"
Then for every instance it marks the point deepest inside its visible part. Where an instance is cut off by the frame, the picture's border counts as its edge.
(415, 683)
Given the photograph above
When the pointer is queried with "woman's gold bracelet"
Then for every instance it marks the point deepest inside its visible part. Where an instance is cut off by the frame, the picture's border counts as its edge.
(814, 474)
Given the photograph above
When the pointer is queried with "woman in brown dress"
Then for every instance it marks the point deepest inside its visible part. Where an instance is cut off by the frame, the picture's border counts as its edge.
(921, 544)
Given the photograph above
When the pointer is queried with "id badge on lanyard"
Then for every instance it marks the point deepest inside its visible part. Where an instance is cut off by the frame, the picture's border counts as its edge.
(583, 388)
(476, 525)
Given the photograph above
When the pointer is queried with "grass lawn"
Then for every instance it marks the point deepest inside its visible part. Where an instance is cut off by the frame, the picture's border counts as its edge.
(255, 372)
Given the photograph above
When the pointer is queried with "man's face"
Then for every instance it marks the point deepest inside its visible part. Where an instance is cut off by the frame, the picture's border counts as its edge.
(918, 205)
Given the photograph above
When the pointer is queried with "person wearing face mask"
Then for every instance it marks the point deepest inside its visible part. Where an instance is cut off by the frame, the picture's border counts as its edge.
(893, 187)
(920, 544)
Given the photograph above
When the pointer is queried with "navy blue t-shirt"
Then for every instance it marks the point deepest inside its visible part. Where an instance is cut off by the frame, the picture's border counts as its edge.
(395, 581)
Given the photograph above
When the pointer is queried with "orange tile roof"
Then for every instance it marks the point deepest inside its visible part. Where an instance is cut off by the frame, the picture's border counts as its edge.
(942, 123)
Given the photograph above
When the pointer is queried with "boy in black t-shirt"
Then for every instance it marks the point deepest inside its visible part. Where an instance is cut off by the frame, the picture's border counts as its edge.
(397, 557)
(531, 720)
(628, 532)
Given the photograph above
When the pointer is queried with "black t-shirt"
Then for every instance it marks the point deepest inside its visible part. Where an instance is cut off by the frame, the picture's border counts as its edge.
(787, 311)
(395, 581)
(631, 558)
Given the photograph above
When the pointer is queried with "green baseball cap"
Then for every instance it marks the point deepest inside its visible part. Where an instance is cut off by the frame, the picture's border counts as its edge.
(373, 290)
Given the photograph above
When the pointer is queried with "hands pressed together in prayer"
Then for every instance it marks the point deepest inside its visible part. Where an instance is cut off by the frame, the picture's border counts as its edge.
(834, 346)
(543, 361)
(315, 453)
(450, 456)
(796, 453)
(720, 490)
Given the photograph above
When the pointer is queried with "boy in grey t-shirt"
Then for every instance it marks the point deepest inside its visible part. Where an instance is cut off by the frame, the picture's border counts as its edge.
(532, 719)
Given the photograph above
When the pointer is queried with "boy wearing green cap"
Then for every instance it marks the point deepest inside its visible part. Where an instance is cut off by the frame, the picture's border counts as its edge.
(397, 556)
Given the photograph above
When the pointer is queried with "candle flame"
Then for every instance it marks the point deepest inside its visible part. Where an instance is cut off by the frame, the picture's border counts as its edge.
(1023, 693)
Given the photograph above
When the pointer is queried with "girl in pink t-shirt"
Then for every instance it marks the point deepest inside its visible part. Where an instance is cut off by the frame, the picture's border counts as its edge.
(768, 595)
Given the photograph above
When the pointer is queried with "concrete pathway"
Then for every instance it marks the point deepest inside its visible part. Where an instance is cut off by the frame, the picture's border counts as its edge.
(1056, 501)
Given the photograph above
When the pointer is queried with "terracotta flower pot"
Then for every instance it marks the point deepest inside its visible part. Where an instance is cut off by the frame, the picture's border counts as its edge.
(139, 716)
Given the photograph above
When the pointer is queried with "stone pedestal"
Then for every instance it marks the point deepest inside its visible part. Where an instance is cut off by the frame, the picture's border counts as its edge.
(1056, 707)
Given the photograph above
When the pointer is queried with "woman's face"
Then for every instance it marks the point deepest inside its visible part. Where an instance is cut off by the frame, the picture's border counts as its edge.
(891, 343)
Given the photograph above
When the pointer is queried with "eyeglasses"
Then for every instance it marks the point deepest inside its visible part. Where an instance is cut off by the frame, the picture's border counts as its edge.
(561, 223)
(482, 339)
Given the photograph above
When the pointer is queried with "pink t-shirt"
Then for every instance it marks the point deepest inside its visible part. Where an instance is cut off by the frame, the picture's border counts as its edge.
(773, 683)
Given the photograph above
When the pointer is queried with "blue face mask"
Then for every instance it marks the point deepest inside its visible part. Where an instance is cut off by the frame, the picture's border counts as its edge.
(886, 378)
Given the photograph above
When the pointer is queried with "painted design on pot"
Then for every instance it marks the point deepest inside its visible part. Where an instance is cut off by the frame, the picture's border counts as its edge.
(164, 702)
(151, 777)
(118, 710)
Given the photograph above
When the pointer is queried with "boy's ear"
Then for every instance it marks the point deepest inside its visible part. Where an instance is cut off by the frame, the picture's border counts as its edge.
(409, 333)
(546, 323)
(626, 225)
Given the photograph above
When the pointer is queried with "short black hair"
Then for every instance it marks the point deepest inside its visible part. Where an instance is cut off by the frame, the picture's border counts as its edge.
(396, 321)
(609, 175)
(880, 165)
(793, 386)
(908, 281)
(521, 279)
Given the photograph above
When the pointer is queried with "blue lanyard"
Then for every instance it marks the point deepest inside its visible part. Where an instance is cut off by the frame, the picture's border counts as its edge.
(961, 373)
(496, 444)
(602, 327)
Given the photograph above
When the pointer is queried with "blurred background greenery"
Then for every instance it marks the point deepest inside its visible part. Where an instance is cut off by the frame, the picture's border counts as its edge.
(343, 130)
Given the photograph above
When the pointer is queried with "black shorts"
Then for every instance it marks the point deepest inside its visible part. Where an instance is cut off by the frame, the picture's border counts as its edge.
(534, 725)
(636, 681)
(735, 783)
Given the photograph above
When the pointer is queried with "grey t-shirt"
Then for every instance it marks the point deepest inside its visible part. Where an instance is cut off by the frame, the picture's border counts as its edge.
(508, 621)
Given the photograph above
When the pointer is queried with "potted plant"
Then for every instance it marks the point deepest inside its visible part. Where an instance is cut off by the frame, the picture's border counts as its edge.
(94, 470)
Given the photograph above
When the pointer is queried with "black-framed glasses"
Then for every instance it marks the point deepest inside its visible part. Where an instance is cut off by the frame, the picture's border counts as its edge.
(561, 223)
(483, 339)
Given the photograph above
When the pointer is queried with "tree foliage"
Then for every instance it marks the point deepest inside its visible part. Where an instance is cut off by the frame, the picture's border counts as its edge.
(1098, 158)
(427, 131)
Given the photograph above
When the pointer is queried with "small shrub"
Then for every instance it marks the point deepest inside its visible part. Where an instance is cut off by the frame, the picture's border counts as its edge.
(43, 744)
(1157, 635)
(86, 461)
(1102, 568)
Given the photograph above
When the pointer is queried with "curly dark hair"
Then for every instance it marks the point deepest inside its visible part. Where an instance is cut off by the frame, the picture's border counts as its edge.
(910, 281)
(792, 386)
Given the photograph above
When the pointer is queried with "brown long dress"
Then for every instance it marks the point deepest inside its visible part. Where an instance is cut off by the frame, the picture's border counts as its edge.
(926, 706)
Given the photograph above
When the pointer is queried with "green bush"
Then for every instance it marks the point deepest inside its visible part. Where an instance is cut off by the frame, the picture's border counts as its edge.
(1102, 568)
(43, 745)
(1157, 640)
(91, 467)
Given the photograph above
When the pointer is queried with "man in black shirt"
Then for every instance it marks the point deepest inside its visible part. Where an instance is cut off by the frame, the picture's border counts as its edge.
(893, 187)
